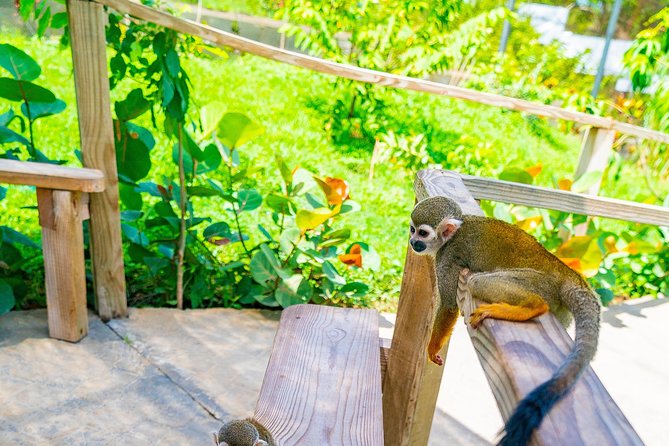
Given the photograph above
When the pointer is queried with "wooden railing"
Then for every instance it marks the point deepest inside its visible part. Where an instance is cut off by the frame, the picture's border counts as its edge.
(411, 383)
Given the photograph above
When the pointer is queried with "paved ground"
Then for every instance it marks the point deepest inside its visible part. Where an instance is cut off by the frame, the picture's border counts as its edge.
(167, 377)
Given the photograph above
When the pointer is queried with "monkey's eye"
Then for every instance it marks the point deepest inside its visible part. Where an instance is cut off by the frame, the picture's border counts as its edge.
(412, 229)
(422, 233)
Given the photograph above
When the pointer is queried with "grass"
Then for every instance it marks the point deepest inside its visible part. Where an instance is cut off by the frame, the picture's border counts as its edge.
(468, 137)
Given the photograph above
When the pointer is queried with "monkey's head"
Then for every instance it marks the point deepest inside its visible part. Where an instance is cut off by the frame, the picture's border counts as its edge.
(433, 222)
(239, 433)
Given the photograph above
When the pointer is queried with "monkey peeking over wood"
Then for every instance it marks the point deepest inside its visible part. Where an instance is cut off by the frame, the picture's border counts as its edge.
(247, 432)
(518, 279)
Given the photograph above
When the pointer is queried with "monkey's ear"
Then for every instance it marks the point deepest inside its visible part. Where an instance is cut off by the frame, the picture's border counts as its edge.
(447, 227)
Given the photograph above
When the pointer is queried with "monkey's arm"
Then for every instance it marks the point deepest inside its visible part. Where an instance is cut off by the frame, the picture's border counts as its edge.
(447, 313)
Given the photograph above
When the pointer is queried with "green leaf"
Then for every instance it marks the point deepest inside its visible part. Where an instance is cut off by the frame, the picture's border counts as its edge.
(350, 206)
(7, 300)
(516, 175)
(134, 105)
(132, 157)
(19, 64)
(130, 198)
(306, 220)
(3, 193)
(14, 90)
(235, 129)
(289, 238)
(354, 289)
(219, 229)
(210, 117)
(261, 269)
(274, 262)
(605, 295)
(12, 236)
(292, 291)
(172, 62)
(59, 20)
(286, 173)
(336, 237)
(331, 273)
(134, 235)
(248, 199)
(42, 109)
(202, 191)
(280, 204)
(9, 135)
(211, 159)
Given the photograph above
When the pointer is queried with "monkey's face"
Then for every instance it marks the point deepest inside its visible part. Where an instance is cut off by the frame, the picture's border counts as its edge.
(427, 240)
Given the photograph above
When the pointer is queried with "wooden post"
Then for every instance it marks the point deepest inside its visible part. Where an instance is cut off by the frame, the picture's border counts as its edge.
(87, 36)
(63, 246)
(595, 153)
(412, 383)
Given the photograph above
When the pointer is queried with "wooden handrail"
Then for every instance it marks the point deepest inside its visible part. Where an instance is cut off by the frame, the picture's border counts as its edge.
(239, 43)
(51, 176)
(542, 197)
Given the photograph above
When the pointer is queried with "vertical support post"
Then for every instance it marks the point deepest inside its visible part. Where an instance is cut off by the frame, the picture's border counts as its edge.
(87, 36)
(595, 153)
(63, 245)
(412, 382)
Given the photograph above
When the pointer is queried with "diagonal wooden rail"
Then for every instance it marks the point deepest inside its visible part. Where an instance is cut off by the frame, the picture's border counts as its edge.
(239, 43)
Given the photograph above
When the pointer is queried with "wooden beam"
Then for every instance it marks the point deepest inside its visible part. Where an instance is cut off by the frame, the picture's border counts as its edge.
(323, 381)
(51, 176)
(542, 197)
(239, 43)
(596, 149)
(519, 356)
(412, 382)
(63, 246)
(87, 38)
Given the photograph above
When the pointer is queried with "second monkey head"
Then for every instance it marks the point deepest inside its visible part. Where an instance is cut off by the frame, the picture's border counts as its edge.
(433, 222)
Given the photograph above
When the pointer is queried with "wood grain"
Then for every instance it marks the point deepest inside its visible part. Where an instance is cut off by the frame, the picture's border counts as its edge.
(323, 381)
(51, 176)
(518, 356)
(239, 43)
(412, 382)
(542, 197)
(63, 245)
(87, 39)
(384, 352)
(596, 149)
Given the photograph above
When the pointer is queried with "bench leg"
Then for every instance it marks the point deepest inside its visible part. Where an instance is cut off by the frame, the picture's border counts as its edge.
(63, 246)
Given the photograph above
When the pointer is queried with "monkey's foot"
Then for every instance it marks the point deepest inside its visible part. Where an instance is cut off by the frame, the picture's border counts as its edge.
(477, 317)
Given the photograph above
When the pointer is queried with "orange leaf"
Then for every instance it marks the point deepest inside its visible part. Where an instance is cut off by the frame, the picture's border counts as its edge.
(565, 184)
(529, 223)
(336, 190)
(534, 170)
(610, 244)
(353, 257)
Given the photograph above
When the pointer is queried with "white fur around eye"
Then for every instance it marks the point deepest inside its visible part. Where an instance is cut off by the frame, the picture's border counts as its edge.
(430, 232)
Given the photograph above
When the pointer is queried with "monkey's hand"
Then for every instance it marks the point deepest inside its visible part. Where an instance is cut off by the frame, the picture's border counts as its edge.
(477, 317)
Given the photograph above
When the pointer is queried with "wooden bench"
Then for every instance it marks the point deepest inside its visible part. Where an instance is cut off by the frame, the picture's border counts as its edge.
(62, 200)
(323, 382)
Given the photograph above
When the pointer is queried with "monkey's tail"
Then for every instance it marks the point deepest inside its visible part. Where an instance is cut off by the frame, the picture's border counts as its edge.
(584, 306)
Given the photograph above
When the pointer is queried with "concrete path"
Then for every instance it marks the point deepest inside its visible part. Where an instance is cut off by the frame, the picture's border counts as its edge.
(168, 377)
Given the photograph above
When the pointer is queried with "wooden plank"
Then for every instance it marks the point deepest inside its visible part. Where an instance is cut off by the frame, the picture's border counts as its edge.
(239, 43)
(63, 246)
(384, 353)
(323, 381)
(519, 356)
(51, 176)
(542, 197)
(596, 149)
(412, 382)
(87, 39)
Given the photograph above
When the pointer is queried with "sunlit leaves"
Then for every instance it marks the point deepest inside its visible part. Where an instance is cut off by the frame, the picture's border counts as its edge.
(235, 129)
(18, 63)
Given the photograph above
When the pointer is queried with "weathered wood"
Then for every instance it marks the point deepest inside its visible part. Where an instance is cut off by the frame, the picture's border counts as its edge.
(51, 176)
(63, 245)
(412, 382)
(87, 38)
(542, 197)
(596, 149)
(323, 381)
(384, 352)
(519, 356)
(239, 43)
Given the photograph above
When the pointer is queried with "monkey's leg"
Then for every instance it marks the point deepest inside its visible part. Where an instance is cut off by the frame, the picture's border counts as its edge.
(441, 331)
(511, 295)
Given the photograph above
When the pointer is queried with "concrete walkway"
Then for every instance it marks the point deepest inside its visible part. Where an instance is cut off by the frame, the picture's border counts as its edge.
(168, 377)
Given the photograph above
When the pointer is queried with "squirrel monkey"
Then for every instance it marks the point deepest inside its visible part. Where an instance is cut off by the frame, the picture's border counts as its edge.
(518, 280)
(248, 432)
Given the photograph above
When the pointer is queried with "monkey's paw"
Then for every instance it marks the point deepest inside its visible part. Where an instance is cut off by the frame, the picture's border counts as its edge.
(477, 317)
